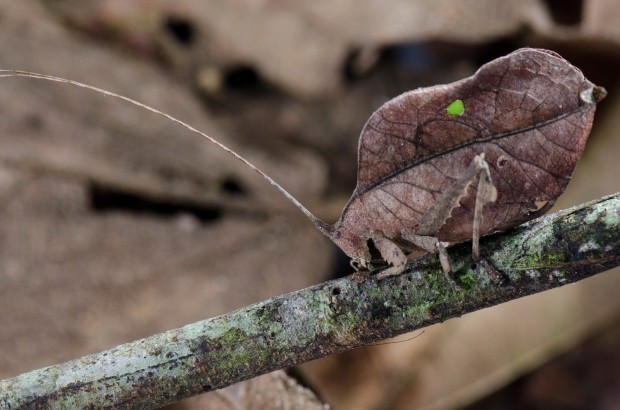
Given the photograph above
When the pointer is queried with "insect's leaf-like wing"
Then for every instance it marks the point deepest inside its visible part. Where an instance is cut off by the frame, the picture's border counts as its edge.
(530, 112)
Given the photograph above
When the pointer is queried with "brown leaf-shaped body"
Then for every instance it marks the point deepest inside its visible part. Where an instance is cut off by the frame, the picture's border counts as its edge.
(529, 112)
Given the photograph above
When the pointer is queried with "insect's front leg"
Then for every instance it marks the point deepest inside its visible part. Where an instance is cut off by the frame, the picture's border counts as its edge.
(391, 253)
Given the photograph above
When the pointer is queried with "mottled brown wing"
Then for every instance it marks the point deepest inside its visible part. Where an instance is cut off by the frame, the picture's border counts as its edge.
(530, 112)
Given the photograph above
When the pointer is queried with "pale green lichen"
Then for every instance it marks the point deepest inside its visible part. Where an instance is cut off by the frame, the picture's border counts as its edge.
(607, 215)
(588, 246)
(468, 279)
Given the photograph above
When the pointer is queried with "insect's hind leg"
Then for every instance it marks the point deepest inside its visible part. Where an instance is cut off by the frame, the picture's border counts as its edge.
(430, 244)
(485, 194)
(424, 234)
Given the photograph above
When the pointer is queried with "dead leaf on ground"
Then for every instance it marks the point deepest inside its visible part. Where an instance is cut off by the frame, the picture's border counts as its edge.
(251, 33)
(246, 33)
(115, 225)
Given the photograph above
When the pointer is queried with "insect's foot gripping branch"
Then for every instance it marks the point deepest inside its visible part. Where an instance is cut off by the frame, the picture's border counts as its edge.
(392, 254)
(445, 261)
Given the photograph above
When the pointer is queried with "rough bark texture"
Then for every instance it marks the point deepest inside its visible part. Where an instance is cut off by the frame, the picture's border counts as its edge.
(328, 318)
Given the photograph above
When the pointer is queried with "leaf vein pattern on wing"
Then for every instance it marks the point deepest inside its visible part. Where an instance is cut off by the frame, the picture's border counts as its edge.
(391, 135)
(384, 205)
(528, 162)
(520, 163)
(403, 203)
(390, 121)
(491, 138)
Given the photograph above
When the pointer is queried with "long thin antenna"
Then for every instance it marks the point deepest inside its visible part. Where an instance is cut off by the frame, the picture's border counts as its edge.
(321, 225)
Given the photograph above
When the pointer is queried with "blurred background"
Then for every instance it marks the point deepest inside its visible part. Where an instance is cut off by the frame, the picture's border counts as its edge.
(116, 224)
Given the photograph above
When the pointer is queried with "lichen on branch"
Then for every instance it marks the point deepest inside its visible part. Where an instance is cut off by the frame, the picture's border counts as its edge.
(330, 317)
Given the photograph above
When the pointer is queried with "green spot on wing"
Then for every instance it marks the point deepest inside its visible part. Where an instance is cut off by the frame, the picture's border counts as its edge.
(456, 107)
